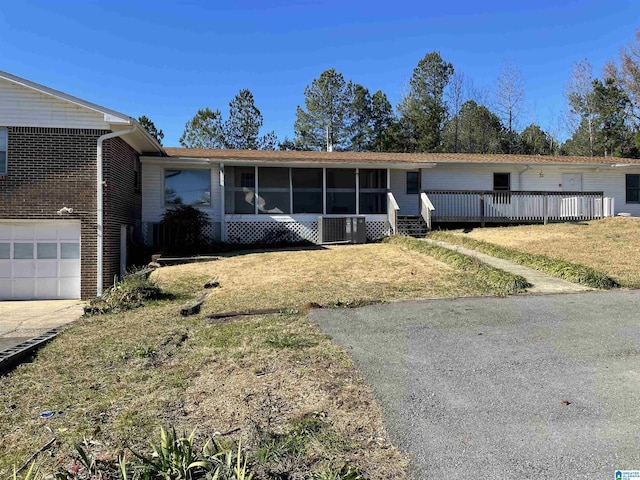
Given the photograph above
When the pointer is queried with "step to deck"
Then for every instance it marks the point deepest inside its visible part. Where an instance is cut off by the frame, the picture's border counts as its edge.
(412, 226)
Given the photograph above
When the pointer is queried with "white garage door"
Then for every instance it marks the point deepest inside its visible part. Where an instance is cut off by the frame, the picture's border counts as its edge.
(39, 260)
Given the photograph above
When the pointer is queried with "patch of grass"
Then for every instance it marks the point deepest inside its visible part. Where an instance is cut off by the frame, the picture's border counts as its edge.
(115, 378)
(501, 282)
(610, 245)
(348, 275)
(553, 266)
(287, 340)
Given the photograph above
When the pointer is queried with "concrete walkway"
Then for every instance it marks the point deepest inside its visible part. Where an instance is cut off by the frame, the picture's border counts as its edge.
(542, 283)
(20, 321)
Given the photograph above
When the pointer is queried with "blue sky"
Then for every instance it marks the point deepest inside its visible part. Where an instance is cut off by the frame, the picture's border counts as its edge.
(168, 59)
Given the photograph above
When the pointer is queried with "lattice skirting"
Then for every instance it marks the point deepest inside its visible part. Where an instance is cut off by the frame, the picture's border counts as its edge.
(263, 232)
(272, 232)
(377, 230)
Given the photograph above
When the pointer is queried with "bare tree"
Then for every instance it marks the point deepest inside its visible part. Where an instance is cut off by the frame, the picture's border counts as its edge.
(628, 75)
(509, 98)
(579, 93)
(455, 99)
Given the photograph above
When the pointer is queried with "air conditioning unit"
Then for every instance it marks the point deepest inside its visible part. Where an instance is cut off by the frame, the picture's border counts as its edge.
(339, 229)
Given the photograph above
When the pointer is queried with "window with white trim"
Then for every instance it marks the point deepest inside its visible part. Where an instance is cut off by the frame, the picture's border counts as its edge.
(187, 187)
(632, 188)
(3, 151)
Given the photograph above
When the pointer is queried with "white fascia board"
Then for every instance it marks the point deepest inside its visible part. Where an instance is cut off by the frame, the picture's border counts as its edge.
(531, 164)
(259, 163)
(178, 162)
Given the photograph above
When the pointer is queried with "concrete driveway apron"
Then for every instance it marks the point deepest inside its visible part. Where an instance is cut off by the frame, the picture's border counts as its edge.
(20, 321)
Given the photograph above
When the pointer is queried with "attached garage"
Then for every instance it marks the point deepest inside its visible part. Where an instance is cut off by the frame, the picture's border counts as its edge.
(39, 260)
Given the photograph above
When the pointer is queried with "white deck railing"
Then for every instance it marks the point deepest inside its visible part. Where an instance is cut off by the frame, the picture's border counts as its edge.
(511, 206)
(392, 213)
(426, 207)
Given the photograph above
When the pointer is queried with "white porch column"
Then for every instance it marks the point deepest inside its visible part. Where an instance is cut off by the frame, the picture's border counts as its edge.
(357, 191)
(324, 191)
(223, 220)
(255, 192)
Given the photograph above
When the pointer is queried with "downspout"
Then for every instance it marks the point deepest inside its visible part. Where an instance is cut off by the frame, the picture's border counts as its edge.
(520, 176)
(99, 200)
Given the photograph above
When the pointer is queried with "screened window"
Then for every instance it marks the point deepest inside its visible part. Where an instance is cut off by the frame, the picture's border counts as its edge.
(413, 183)
(274, 193)
(341, 190)
(307, 190)
(3, 151)
(187, 187)
(240, 187)
(633, 188)
(373, 190)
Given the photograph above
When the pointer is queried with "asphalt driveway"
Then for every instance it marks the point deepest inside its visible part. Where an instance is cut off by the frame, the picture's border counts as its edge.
(521, 387)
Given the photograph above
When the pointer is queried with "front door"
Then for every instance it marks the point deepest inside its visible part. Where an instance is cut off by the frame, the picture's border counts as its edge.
(571, 182)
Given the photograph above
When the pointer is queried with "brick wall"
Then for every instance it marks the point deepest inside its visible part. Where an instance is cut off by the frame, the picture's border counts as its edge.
(122, 203)
(49, 168)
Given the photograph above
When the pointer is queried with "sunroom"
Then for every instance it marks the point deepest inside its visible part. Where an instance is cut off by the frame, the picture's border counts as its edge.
(259, 202)
(270, 204)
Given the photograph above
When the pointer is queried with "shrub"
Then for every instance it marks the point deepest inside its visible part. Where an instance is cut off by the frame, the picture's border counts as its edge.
(131, 292)
(184, 228)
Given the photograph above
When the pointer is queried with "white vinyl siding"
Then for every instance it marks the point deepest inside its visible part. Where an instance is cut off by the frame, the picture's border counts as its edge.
(611, 181)
(23, 107)
(153, 206)
(408, 203)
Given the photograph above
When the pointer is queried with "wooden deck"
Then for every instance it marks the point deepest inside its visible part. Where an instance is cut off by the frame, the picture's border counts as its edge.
(489, 206)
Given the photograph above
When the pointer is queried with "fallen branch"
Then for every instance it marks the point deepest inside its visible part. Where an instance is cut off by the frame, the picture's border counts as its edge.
(213, 283)
(242, 313)
(33, 457)
(194, 307)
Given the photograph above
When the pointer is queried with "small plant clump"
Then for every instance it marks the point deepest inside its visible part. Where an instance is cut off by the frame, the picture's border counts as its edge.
(131, 292)
(177, 457)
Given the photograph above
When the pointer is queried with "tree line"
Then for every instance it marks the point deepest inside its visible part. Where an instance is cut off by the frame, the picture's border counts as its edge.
(441, 111)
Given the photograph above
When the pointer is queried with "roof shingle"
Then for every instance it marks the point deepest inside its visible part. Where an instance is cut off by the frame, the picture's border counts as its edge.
(276, 156)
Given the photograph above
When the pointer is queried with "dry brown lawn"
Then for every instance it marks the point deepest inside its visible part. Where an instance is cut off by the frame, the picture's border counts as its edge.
(116, 378)
(328, 276)
(611, 245)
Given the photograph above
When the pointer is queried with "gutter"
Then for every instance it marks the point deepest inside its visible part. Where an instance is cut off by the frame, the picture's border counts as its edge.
(520, 176)
(99, 199)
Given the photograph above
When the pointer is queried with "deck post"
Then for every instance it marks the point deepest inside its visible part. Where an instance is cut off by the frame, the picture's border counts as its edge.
(545, 208)
(482, 210)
